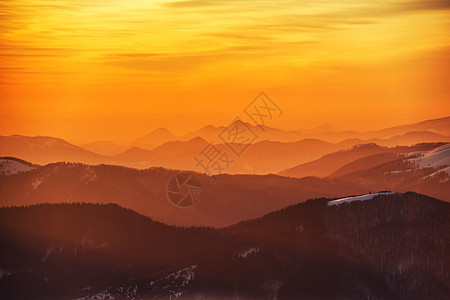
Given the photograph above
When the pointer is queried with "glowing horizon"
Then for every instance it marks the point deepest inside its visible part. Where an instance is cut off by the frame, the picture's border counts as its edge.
(81, 70)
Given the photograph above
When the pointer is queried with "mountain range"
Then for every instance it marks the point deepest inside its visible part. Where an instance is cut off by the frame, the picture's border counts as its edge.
(431, 130)
(227, 199)
(305, 214)
(273, 150)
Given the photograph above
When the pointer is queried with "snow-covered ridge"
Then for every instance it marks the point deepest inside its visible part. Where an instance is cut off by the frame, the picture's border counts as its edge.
(357, 198)
(11, 167)
(436, 158)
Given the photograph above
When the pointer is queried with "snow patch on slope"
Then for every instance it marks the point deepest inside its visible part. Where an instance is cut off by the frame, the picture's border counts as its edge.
(175, 283)
(247, 252)
(357, 198)
(36, 183)
(99, 296)
(444, 170)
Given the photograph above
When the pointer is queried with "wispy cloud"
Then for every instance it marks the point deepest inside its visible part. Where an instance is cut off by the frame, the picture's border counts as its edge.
(162, 36)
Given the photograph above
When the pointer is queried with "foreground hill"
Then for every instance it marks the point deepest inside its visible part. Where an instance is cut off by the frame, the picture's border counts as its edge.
(372, 249)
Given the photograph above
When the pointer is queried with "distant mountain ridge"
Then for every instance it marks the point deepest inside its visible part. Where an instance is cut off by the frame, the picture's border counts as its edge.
(103, 148)
(42, 149)
(155, 138)
(272, 149)
(176, 154)
(440, 126)
(434, 130)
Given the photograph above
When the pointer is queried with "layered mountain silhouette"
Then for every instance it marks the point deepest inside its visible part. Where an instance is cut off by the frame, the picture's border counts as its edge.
(365, 156)
(295, 215)
(411, 138)
(423, 171)
(42, 150)
(227, 199)
(364, 163)
(259, 158)
(329, 163)
(270, 151)
(155, 138)
(391, 246)
(440, 126)
(422, 168)
(103, 147)
(427, 131)
(435, 130)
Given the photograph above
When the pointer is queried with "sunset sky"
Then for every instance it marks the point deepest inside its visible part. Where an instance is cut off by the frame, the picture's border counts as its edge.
(89, 70)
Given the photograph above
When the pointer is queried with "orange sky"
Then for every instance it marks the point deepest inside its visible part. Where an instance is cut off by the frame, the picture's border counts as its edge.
(90, 70)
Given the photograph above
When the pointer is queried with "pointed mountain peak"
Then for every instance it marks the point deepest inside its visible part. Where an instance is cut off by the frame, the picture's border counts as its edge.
(161, 131)
(208, 127)
(197, 140)
(239, 122)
